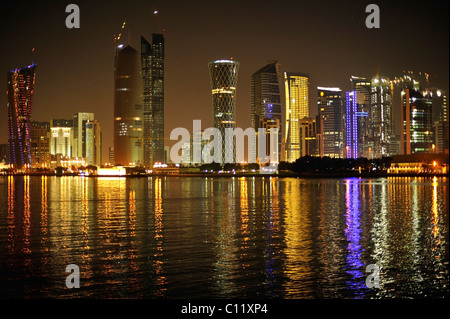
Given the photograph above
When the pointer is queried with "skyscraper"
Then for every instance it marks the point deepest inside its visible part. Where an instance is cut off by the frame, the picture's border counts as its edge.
(362, 86)
(297, 108)
(152, 64)
(224, 75)
(20, 90)
(266, 100)
(440, 119)
(381, 115)
(331, 121)
(128, 107)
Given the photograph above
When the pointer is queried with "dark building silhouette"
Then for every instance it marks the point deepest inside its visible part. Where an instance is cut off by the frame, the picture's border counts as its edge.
(128, 107)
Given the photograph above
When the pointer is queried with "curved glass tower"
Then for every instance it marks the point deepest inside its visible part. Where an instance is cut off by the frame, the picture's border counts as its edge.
(224, 76)
(128, 107)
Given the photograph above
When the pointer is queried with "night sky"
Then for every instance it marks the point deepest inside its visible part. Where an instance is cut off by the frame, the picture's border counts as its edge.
(326, 39)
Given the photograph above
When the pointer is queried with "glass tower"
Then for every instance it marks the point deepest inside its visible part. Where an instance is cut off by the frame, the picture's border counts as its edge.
(152, 64)
(297, 108)
(128, 107)
(224, 75)
(20, 89)
(266, 100)
(331, 121)
(381, 115)
(157, 98)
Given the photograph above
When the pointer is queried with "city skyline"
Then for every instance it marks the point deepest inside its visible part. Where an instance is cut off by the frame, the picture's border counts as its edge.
(248, 153)
(186, 99)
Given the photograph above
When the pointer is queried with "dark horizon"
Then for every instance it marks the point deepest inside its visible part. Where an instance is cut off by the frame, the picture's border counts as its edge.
(327, 40)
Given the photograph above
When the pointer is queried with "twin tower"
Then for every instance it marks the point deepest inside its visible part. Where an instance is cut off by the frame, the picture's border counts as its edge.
(139, 103)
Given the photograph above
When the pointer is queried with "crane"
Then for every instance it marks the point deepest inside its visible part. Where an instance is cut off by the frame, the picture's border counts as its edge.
(427, 76)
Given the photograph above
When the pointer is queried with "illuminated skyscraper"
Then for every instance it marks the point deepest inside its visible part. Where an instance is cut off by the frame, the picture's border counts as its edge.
(128, 107)
(362, 86)
(267, 102)
(152, 63)
(20, 90)
(224, 76)
(297, 108)
(417, 134)
(351, 127)
(440, 120)
(331, 121)
(381, 115)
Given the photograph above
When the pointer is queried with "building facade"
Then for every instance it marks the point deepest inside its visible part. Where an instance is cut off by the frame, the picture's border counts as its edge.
(40, 144)
(93, 143)
(20, 92)
(61, 137)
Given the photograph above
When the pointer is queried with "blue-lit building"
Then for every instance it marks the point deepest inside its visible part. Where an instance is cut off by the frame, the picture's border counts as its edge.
(351, 127)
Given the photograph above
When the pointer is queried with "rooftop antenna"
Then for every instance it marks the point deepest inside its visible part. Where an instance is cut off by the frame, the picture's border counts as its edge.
(32, 56)
(155, 13)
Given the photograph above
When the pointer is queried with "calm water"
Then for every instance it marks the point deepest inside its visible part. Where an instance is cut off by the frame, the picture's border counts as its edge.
(223, 237)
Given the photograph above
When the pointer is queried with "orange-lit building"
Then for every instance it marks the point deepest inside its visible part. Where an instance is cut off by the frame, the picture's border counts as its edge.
(419, 164)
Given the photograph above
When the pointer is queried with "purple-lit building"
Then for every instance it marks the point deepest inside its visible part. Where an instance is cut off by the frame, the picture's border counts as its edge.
(20, 89)
(351, 127)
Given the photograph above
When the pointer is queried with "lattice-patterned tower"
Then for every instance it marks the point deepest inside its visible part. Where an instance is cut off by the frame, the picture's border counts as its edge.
(224, 76)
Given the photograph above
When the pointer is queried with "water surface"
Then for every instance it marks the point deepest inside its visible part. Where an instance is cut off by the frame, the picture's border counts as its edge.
(198, 237)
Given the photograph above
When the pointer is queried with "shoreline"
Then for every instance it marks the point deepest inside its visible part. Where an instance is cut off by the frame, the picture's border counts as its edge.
(228, 175)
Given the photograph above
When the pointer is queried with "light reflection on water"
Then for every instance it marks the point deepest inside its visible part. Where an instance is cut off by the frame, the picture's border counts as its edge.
(195, 237)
